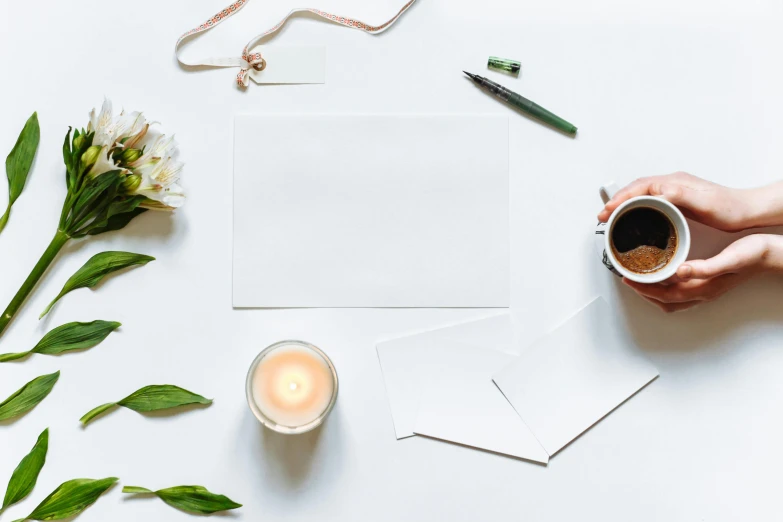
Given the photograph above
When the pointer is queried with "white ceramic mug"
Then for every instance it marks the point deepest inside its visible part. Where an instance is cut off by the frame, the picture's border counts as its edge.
(660, 204)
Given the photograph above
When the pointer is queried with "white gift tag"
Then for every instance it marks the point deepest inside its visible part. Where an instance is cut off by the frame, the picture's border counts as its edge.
(291, 64)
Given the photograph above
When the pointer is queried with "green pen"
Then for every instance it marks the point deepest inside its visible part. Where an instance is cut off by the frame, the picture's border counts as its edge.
(523, 104)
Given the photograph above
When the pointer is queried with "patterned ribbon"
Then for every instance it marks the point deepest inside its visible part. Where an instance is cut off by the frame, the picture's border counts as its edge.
(255, 60)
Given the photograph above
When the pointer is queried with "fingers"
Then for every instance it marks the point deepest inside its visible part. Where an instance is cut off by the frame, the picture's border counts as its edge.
(686, 294)
(640, 187)
(652, 185)
(676, 188)
(744, 254)
(672, 307)
(708, 268)
(698, 202)
(675, 293)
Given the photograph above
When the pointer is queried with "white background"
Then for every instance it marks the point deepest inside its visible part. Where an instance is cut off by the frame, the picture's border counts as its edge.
(653, 86)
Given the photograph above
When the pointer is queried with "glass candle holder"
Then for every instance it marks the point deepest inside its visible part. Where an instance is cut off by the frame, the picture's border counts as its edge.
(291, 387)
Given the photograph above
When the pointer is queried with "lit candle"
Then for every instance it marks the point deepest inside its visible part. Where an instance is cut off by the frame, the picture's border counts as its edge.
(291, 387)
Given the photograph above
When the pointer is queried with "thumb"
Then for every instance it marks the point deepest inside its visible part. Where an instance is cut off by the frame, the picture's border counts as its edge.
(729, 261)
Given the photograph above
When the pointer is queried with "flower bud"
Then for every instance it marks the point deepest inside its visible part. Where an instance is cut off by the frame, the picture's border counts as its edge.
(131, 182)
(90, 156)
(78, 141)
(129, 156)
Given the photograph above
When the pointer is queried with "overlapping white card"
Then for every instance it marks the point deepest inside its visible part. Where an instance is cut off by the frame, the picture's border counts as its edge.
(461, 404)
(573, 377)
(441, 386)
(371, 211)
(440, 383)
(408, 363)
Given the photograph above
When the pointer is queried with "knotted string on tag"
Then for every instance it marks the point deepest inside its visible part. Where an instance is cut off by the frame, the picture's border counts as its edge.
(255, 60)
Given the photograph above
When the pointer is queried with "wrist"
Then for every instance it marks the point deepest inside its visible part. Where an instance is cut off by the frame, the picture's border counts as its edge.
(763, 206)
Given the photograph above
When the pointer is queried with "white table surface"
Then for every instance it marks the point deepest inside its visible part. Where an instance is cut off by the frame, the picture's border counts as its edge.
(654, 88)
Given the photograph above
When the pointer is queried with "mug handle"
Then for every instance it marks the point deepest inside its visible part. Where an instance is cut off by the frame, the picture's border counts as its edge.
(608, 191)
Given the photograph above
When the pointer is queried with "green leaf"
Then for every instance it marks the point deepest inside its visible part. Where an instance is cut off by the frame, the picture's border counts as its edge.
(75, 336)
(68, 160)
(193, 499)
(19, 161)
(68, 337)
(150, 398)
(70, 498)
(97, 194)
(98, 267)
(161, 397)
(116, 222)
(28, 396)
(109, 216)
(26, 473)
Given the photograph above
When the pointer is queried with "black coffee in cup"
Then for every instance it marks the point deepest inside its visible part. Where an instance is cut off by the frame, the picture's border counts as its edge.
(644, 240)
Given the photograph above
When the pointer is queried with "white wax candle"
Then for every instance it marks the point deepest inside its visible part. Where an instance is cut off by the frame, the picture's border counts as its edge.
(292, 384)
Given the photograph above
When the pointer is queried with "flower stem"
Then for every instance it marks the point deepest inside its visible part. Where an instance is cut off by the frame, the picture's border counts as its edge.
(59, 240)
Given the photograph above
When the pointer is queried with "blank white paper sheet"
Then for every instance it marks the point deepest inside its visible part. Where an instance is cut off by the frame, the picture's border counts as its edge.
(371, 211)
(573, 377)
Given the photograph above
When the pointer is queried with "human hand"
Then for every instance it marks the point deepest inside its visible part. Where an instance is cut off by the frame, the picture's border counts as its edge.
(703, 201)
(699, 281)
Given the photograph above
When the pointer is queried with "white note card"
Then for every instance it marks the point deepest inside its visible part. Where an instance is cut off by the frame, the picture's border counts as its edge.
(371, 211)
(461, 404)
(439, 384)
(291, 64)
(575, 376)
(407, 362)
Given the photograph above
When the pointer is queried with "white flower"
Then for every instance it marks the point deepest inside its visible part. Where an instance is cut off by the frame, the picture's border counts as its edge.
(159, 184)
(154, 174)
(101, 123)
(161, 147)
(105, 163)
(110, 130)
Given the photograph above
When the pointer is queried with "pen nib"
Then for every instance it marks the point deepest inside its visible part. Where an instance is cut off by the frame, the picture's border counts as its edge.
(471, 76)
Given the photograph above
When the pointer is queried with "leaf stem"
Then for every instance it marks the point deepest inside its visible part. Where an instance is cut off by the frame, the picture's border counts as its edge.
(137, 490)
(90, 415)
(4, 218)
(7, 357)
(59, 240)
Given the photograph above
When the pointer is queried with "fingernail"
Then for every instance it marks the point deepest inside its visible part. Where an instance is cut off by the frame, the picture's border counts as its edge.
(685, 271)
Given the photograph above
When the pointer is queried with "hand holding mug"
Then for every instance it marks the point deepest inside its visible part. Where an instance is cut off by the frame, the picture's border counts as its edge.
(688, 283)
(699, 281)
(700, 200)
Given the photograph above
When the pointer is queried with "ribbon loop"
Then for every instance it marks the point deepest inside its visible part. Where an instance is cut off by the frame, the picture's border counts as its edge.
(255, 60)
